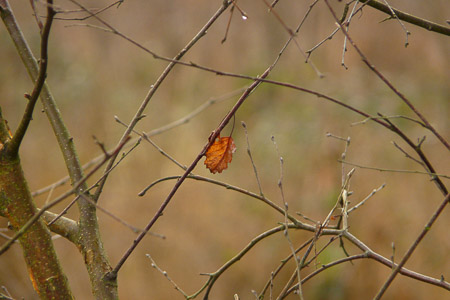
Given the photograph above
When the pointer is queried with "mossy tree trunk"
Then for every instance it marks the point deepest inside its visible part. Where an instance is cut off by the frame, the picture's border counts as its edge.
(16, 204)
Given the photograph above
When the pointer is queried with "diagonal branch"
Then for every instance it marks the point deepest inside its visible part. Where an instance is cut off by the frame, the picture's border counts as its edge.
(428, 25)
(369, 253)
(139, 113)
(166, 202)
(49, 205)
(13, 147)
(387, 82)
(411, 249)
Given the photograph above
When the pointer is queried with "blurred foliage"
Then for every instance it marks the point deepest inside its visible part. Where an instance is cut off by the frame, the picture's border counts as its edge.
(95, 75)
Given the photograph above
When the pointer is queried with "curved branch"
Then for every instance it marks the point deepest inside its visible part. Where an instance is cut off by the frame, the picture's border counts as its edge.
(369, 253)
(65, 227)
(214, 276)
(375, 256)
(225, 185)
(13, 147)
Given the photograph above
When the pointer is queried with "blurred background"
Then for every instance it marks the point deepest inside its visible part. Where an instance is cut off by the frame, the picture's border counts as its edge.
(95, 75)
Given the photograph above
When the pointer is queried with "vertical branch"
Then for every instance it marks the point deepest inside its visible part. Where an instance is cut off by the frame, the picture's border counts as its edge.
(251, 159)
(13, 147)
(89, 241)
(17, 205)
(16, 202)
(298, 263)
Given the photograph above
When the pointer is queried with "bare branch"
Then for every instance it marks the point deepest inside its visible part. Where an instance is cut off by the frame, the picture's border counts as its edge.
(428, 25)
(387, 82)
(14, 144)
(211, 140)
(413, 247)
(393, 170)
(251, 159)
(394, 15)
(155, 266)
(157, 131)
(75, 189)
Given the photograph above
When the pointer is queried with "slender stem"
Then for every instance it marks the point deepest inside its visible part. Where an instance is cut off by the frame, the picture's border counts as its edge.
(325, 267)
(214, 276)
(392, 170)
(387, 82)
(13, 146)
(428, 25)
(153, 88)
(211, 140)
(413, 247)
(227, 186)
(49, 205)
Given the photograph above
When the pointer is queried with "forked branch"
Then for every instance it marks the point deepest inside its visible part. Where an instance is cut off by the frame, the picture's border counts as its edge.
(428, 25)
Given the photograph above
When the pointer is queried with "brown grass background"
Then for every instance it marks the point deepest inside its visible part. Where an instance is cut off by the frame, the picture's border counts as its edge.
(95, 76)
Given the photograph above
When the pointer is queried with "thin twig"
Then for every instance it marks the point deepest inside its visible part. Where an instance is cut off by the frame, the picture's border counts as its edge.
(339, 198)
(418, 149)
(214, 276)
(409, 156)
(428, 25)
(253, 78)
(154, 265)
(223, 184)
(161, 78)
(413, 247)
(286, 231)
(344, 154)
(35, 14)
(331, 35)
(228, 24)
(64, 211)
(329, 265)
(14, 145)
(6, 237)
(394, 15)
(75, 189)
(393, 170)
(157, 131)
(147, 139)
(389, 117)
(99, 11)
(273, 274)
(387, 82)
(347, 27)
(367, 198)
(293, 34)
(8, 295)
(210, 141)
(251, 159)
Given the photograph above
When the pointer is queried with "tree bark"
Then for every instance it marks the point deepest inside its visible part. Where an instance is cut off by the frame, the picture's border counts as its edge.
(17, 206)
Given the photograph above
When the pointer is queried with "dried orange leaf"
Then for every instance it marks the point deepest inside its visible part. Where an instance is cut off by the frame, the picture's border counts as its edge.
(220, 154)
